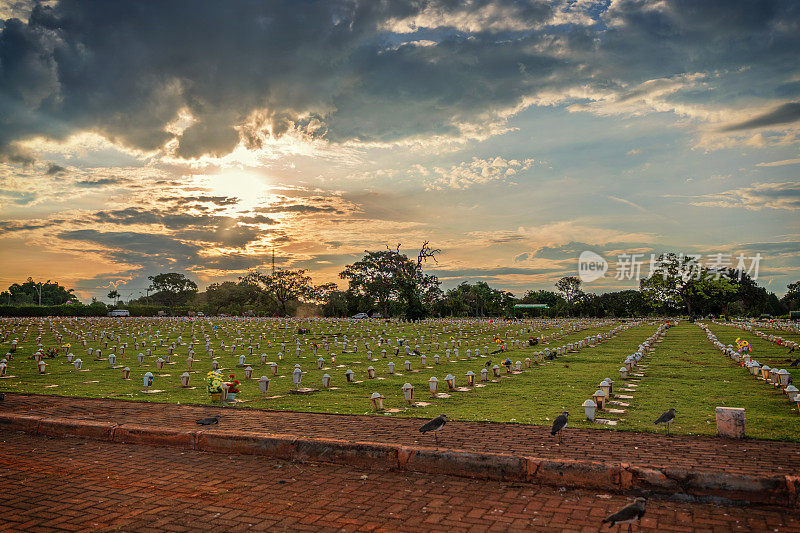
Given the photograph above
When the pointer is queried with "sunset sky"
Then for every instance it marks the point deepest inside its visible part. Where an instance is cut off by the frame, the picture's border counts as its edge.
(145, 137)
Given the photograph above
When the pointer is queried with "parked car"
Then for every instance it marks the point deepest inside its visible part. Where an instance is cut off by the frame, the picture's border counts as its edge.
(119, 312)
(361, 315)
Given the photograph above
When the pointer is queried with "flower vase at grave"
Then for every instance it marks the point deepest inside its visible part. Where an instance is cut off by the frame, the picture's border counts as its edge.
(484, 374)
(185, 379)
(407, 365)
(112, 359)
(450, 379)
(423, 360)
(126, 373)
(496, 371)
(433, 384)
(391, 367)
(159, 363)
(248, 372)
(189, 362)
(297, 377)
(470, 378)
(3, 367)
(263, 358)
(147, 379)
(215, 365)
(78, 364)
(274, 367)
(349, 375)
(371, 373)
(242, 359)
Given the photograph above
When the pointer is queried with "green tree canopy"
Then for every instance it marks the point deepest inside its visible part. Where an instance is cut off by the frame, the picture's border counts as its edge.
(387, 275)
(173, 288)
(28, 293)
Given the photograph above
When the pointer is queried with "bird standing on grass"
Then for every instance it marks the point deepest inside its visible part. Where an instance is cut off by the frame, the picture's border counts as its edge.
(210, 421)
(666, 418)
(558, 424)
(434, 425)
(628, 514)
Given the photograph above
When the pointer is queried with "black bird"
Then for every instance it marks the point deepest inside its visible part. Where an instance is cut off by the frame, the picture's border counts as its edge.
(210, 421)
(666, 418)
(558, 424)
(795, 362)
(628, 514)
(434, 425)
(488, 364)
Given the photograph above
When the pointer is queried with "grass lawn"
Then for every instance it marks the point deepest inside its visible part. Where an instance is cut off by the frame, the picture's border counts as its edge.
(687, 372)
(534, 396)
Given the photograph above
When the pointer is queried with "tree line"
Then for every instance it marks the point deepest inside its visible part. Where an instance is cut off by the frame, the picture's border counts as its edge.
(390, 284)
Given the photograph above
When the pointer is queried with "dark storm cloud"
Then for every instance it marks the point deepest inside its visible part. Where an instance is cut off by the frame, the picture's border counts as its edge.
(53, 169)
(784, 114)
(257, 219)
(126, 69)
(137, 248)
(10, 226)
(493, 272)
(216, 200)
(99, 183)
(299, 208)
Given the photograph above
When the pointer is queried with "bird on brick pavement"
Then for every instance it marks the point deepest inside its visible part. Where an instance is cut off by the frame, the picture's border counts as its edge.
(666, 418)
(559, 424)
(627, 515)
(210, 421)
(434, 425)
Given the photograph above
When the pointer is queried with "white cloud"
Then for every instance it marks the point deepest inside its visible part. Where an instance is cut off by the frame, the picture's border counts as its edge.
(784, 195)
(475, 172)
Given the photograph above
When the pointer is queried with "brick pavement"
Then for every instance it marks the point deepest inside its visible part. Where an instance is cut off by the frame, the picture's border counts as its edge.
(698, 453)
(72, 484)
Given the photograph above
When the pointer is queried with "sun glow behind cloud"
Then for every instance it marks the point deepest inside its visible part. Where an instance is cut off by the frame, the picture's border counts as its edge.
(496, 131)
(249, 187)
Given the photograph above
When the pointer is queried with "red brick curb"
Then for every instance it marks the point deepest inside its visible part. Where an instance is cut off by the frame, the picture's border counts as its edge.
(783, 490)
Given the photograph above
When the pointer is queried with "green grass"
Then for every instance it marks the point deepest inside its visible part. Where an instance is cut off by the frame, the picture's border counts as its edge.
(687, 372)
(535, 396)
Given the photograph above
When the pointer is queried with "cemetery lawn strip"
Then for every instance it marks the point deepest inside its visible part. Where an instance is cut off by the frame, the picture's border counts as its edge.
(518, 398)
(688, 373)
(764, 351)
(685, 372)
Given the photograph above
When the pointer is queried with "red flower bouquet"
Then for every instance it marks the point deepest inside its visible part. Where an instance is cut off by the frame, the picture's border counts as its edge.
(233, 384)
